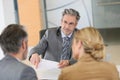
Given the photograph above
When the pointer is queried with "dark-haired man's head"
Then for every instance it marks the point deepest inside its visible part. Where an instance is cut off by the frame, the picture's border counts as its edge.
(13, 41)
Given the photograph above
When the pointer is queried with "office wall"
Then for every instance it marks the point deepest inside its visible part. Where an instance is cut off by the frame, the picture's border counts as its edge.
(7, 16)
(2, 22)
(106, 13)
(30, 15)
(55, 8)
(7, 13)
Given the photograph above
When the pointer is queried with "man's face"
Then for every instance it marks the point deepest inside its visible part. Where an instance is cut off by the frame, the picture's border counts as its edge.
(68, 24)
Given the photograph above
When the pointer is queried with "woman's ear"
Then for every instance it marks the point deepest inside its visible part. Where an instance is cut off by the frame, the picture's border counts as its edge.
(80, 43)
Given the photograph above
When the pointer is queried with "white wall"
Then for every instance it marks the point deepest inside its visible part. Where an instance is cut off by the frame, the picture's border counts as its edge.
(56, 7)
(2, 21)
(7, 16)
(7, 13)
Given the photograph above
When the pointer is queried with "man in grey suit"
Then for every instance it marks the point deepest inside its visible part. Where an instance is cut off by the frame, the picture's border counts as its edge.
(13, 41)
(53, 40)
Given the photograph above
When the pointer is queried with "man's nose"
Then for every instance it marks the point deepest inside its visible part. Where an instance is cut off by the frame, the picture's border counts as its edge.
(67, 25)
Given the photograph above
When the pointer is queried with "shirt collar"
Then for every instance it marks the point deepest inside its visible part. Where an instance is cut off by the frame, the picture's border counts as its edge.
(63, 35)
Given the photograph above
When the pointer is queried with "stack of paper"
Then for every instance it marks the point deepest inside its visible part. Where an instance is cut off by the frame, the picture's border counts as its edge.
(48, 70)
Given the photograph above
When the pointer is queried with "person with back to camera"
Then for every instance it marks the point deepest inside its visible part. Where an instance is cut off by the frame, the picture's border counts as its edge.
(88, 48)
(13, 41)
(54, 39)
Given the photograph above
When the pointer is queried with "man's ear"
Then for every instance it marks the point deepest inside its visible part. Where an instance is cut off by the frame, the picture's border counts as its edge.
(24, 44)
(76, 24)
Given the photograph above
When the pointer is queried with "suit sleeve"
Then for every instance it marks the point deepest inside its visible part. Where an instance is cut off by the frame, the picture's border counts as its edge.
(40, 48)
(28, 74)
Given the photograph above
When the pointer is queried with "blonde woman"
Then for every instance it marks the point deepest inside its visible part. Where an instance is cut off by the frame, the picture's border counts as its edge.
(88, 48)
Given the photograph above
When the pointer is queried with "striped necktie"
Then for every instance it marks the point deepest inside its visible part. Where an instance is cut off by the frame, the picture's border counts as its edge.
(65, 46)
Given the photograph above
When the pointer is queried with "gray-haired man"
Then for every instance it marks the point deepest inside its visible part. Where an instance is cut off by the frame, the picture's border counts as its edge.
(53, 39)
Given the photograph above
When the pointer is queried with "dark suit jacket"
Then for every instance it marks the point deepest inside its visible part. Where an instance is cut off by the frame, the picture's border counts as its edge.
(12, 69)
(51, 44)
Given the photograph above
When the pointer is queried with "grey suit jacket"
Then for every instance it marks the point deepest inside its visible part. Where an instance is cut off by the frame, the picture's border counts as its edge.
(51, 45)
(12, 69)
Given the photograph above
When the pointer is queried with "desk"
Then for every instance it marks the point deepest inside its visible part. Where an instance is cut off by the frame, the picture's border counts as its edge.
(55, 73)
(49, 74)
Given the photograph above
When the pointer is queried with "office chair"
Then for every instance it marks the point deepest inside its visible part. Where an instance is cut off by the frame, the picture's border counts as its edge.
(42, 32)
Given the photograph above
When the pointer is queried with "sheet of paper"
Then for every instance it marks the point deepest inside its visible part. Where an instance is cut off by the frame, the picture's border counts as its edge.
(118, 68)
(47, 64)
(1, 54)
(48, 70)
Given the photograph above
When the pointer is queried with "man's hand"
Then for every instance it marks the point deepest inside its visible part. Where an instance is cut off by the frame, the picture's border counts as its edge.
(35, 59)
(63, 63)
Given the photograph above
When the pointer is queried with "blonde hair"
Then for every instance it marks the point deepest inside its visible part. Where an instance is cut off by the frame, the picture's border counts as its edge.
(92, 42)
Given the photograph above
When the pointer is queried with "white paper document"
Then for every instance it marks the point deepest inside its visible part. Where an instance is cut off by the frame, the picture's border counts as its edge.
(48, 70)
(118, 68)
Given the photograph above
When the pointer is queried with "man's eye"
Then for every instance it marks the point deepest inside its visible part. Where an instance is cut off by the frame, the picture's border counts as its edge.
(71, 23)
(65, 21)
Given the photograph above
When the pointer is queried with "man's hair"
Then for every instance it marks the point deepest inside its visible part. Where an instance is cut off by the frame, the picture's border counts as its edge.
(71, 12)
(11, 38)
